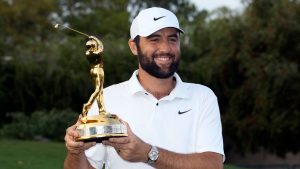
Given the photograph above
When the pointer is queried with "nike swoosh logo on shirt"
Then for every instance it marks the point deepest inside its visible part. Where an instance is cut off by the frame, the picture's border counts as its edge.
(182, 112)
(155, 19)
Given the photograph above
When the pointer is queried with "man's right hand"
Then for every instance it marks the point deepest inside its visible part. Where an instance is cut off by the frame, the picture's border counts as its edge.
(76, 158)
(73, 146)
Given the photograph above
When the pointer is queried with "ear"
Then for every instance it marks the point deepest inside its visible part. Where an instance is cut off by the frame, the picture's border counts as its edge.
(132, 46)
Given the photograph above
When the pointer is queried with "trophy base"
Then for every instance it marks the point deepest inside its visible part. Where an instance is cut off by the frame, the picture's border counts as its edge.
(100, 127)
(97, 139)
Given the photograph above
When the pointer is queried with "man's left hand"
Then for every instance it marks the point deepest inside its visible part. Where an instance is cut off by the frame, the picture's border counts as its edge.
(130, 148)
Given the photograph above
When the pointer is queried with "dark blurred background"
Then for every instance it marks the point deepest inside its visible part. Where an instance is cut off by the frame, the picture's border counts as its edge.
(250, 59)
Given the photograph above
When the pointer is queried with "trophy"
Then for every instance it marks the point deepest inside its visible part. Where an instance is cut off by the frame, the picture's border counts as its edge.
(104, 125)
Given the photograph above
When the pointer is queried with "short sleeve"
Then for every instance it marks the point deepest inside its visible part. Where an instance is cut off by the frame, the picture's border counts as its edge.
(210, 137)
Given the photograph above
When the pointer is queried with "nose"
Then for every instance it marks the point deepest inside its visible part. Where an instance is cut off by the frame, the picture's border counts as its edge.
(165, 46)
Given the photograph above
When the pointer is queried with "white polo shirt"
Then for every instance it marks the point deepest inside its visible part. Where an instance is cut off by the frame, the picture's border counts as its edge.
(185, 121)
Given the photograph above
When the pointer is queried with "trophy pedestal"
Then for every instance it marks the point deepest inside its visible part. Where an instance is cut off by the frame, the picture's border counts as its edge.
(100, 127)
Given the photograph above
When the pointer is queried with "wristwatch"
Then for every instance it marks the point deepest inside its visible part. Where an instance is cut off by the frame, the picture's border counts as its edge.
(153, 155)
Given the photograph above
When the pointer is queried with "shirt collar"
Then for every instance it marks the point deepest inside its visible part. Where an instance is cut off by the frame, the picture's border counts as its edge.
(134, 84)
(180, 90)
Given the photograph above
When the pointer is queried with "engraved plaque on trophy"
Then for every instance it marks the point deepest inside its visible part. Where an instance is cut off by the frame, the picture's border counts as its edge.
(104, 125)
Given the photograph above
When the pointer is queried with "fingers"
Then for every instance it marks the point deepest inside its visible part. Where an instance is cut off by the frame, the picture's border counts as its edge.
(118, 147)
(129, 131)
(130, 148)
(72, 145)
(119, 140)
(72, 133)
(78, 120)
(88, 145)
(117, 143)
(70, 138)
(121, 143)
(77, 147)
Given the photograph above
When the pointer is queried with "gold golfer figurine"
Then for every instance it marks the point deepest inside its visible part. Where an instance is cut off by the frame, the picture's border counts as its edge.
(93, 54)
(104, 125)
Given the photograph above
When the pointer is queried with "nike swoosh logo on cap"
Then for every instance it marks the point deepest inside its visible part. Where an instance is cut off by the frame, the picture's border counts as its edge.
(155, 19)
(182, 112)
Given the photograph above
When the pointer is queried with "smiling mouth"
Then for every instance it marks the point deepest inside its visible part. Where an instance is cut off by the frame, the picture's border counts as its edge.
(163, 60)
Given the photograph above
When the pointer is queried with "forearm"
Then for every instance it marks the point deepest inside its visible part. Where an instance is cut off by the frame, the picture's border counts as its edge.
(171, 160)
(77, 161)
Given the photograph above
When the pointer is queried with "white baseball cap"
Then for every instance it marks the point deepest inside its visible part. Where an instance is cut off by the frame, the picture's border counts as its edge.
(151, 20)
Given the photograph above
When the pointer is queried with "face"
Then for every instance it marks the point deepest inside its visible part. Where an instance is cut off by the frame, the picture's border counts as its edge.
(159, 53)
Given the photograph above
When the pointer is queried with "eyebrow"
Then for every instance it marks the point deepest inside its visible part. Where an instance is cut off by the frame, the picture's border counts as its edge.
(157, 35)
(152, 36)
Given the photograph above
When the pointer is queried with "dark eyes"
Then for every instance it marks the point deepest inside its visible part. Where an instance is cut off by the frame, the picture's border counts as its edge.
(173, 39)
(154, 39)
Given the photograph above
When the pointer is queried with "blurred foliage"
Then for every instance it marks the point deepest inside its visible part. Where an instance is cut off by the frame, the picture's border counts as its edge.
(252, 63)
(249, 59)
(40, 125)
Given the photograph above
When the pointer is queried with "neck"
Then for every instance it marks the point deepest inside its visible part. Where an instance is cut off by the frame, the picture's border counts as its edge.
(159, 88)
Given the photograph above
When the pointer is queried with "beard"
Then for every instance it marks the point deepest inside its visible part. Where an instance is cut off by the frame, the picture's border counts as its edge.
(148, 64)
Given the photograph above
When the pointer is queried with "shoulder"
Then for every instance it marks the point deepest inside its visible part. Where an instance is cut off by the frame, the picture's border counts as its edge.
(116, 88)
(200, 95)
(192, 90)
(198, 90)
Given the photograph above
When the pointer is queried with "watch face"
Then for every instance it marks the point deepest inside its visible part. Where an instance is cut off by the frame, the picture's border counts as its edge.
(153, 155)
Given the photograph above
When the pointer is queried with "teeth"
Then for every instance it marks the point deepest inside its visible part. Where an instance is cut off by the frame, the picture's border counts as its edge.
(163, 58)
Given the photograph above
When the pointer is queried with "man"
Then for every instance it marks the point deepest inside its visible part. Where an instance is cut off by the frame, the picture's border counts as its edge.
(171, 124)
